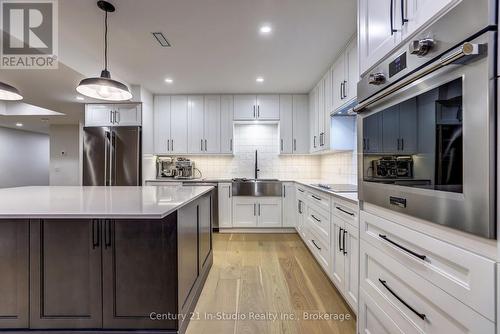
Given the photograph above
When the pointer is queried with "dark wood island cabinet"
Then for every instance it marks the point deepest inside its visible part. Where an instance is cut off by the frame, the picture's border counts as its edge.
(105, 275)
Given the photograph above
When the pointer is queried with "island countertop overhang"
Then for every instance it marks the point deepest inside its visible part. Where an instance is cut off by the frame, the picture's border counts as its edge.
(54, 202)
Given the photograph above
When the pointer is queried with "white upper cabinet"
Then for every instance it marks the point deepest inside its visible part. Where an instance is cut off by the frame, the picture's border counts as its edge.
(226, 124)
(179, 124)
(384, 24)
(338, 81)
(251, 107)
(245, 107)
(99, 115)
(300, 144)
(268, 107)
(212, 124)
(345, 76)
(286, 124)
(161, 124)
(113, 114)
(196, 139)
(128, 115)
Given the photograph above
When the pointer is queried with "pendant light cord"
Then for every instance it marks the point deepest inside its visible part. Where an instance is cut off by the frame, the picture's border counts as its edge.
(106, 40)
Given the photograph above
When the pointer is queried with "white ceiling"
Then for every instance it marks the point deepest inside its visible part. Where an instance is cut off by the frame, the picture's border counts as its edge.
(216, 47)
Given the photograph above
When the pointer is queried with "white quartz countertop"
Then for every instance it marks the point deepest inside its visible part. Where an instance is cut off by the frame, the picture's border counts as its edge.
(96, 202)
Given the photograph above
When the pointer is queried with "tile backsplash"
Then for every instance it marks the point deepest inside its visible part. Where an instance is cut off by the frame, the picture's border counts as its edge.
(331, 168)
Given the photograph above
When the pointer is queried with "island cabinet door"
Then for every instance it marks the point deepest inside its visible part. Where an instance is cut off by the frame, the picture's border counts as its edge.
(14, 274)
(205, 227)
(65, 274)
(140, 274)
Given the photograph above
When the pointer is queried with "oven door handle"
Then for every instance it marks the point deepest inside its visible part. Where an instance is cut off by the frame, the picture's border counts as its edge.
(465, 50)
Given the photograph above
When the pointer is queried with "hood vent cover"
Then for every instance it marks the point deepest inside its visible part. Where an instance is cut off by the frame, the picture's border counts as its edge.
(161, 39)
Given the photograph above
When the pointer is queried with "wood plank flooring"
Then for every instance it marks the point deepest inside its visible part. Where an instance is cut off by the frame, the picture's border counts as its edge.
(267, 275)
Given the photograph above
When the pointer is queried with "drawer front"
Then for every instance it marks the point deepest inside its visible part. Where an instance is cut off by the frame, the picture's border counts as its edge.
(319, 199)
(372, 319)
(320, 250)
(347, 211)
(412, 302)
(464, 275)
(319, 222)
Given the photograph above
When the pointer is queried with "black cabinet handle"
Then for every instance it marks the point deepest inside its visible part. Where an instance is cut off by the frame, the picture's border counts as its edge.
(107, 233)
(398, 144)
(319, 248)
(281, 144)
(403, 19)
(391, 12)
(340, 235)
(368, 144)
(301, 190)
(259, 209)
(316, 219)
(96, 234)
(422, 257)
(402, 144)
(229, 191)
(343, 242)
(345, 211)
(295, 144)
(314, 141)
(254, 209)
(316, 197)
(341, 96)
(420, 315)
(258, 111)
(254, 114)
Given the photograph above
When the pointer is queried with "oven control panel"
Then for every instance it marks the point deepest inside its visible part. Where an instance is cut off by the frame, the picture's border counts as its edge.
(397, 65)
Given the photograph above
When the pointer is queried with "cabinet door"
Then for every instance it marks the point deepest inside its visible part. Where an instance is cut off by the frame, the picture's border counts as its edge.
(225, 205)
(286, 124)
(187, 257)
(245, 107)
(244, 211)
(390, 135)
(14, 277)
(268, 107)
(139, 272)
(313, 121)
(65, 272)
(128, 115)
(99, 115)
(372, 133)
(376, 36)
(300, 124)
(196, 138)
(212, 124)
(338, 258)
(179, 124)
(162, 123)
(408, 126)
(351, 70)
(300, 209)
(289, 205)
(328, 92)
(321, 113)
(204, 229)
(338, 78)
(269, 212)
(351, 265)
(418, 13)
(373, 319)
(226, 127)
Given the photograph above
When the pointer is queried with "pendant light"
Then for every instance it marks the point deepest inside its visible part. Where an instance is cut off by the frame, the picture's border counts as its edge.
(9, 93)
(104, 88)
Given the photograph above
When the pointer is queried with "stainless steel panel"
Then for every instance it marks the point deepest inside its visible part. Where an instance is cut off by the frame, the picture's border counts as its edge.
(95, 151)
(473, 210)
(257, 188)
(126, 153)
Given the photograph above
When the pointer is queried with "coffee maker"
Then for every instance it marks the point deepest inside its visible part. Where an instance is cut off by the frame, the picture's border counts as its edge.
(185, 168)
(165, 167)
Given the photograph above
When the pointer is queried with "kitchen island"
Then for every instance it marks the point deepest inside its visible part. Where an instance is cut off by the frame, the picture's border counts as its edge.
(103, 259)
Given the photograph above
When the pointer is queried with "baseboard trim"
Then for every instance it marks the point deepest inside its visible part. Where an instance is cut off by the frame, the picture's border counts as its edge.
(258, 230)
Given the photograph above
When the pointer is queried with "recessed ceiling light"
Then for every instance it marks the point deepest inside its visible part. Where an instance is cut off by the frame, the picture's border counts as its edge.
(265, 29)
(80, 98)
(19, 124)
(260, 79)
(169, 80)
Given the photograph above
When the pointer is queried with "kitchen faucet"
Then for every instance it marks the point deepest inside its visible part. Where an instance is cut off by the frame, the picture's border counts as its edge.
(257, 170)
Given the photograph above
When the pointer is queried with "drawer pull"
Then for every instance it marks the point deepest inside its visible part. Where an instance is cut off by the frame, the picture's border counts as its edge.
(319, 248)
(345, 211)
(316, 219)
(420, 315)
(422, 257)
(316, 197)
(301, 190)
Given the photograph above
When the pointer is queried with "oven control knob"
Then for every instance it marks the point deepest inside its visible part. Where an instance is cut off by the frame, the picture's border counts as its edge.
(421, 47)
(376, 78)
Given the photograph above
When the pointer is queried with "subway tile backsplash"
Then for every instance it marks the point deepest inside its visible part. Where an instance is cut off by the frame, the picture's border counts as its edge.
(331, 168)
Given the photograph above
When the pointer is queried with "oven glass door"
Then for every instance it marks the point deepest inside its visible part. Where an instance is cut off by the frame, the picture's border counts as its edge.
(428, 149)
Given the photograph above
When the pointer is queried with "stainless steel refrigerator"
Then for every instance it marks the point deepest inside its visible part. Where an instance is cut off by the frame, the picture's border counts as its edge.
(112, 156)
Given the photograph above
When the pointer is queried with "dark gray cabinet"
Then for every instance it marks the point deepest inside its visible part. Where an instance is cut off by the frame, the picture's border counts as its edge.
(205, 227)
(390, 124)
(14, 274)
(139, 265)
(400, 127)
(372, 133)
(65, 272)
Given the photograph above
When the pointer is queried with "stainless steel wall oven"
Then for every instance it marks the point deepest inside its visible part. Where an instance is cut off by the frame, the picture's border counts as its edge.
(427, 121)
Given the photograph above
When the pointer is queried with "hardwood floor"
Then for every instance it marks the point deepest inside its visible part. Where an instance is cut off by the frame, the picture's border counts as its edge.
(267, 275)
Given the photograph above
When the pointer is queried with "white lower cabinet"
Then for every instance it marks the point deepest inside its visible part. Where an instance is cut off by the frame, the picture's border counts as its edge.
(259, 212)
(300, 212)
(289, 205)
(413, 304)
(225, 205)
(351, 266)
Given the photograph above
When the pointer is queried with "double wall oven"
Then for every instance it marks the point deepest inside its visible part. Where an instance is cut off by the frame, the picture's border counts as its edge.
(427, 115)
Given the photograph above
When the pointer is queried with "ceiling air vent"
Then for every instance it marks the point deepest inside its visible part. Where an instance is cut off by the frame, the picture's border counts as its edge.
(161, 39)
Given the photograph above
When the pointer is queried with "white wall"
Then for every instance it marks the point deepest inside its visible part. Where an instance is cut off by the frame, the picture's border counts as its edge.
(65, 155)
(24, 158)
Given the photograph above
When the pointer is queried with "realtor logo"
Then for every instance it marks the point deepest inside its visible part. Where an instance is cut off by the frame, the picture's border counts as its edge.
(29, 34)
